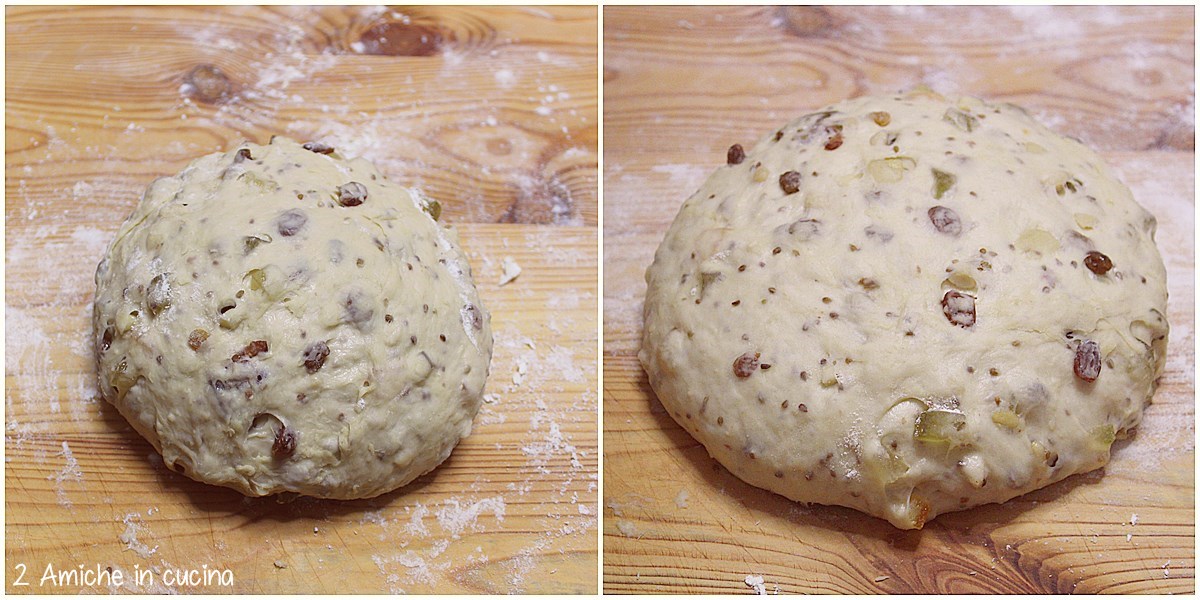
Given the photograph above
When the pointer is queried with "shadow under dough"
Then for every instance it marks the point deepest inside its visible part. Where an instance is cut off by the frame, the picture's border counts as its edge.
(223, 501)
(975, 522)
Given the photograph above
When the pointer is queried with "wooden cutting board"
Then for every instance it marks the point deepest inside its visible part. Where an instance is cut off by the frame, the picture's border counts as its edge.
(683, 84)
(491, 111)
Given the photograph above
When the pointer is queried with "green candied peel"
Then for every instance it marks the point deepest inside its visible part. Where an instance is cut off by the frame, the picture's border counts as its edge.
(891, 169)
(909, 399)
(1007, 419)
(884, 138)
(433, 208)
(939, 426)
(961, 119)
(158, 294)
(1104, 436)
(231, 322)
(269, 280)
(1071, 185)
(122, 381)
(942, 182)
(258, 279)
(1037, 240)
(889, 469)
(251, 242)
(264, 185)
(960, 281)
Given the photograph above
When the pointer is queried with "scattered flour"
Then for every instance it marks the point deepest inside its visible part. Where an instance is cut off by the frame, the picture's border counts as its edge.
(510, 270)
(560, 362)
(416, 525)
(519, 372)
(686, 177)
(130, 536)
(70, 472)
(755, 582)
(554, 444)
(505, 78)
(681, 499)
(455, 517)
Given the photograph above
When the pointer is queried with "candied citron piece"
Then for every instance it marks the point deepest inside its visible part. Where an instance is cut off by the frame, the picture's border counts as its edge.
(961, 119)
(1104, 436)
(1086, 221)
(918, 510)
(1037, 240)
(923, 91)
(942, 182)
(264, 185)
(1007, 419)
(433, 208)
(960, 281)
(891, 169)
(158, 294)
(939, 426)
(257, 279)
(251, 242)
(121, 381)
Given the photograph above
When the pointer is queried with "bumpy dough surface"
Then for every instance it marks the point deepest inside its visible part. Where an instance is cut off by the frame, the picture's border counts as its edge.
(905, 325)
(268, 328)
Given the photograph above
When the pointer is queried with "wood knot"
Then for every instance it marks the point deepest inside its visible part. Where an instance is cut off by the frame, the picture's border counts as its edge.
(207, 83)
(807, 21)
(1177, 131)
(499, 146)
(542, 199)
(400, 39)
(1147, 77)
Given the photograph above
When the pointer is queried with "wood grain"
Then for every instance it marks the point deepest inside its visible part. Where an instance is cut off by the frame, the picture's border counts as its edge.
(494, 115)
(493, 111)
(681, 85)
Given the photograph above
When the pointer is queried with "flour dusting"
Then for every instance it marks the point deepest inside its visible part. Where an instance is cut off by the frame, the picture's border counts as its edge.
(129, 537)
(69, 472)
(755, 582)
(455, 516)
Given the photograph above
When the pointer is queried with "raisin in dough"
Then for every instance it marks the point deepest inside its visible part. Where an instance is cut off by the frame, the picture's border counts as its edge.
(908, 305)
(278, 318)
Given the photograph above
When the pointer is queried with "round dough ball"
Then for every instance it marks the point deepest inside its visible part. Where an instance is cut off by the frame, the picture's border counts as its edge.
(278, 318)
(908, 305)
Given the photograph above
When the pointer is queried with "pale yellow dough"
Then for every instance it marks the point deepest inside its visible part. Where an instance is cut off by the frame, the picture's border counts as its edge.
(270, 329)
(895, 327)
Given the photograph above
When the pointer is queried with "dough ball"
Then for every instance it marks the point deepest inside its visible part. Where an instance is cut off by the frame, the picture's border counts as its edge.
(908, 305)
(277, 318)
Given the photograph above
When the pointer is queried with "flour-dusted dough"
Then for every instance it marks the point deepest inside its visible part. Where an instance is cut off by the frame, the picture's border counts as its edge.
(278, 318)
(908, 305)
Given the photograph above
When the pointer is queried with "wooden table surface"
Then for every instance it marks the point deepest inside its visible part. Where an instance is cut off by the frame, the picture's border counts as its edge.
(682, 84)
(490, 110)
